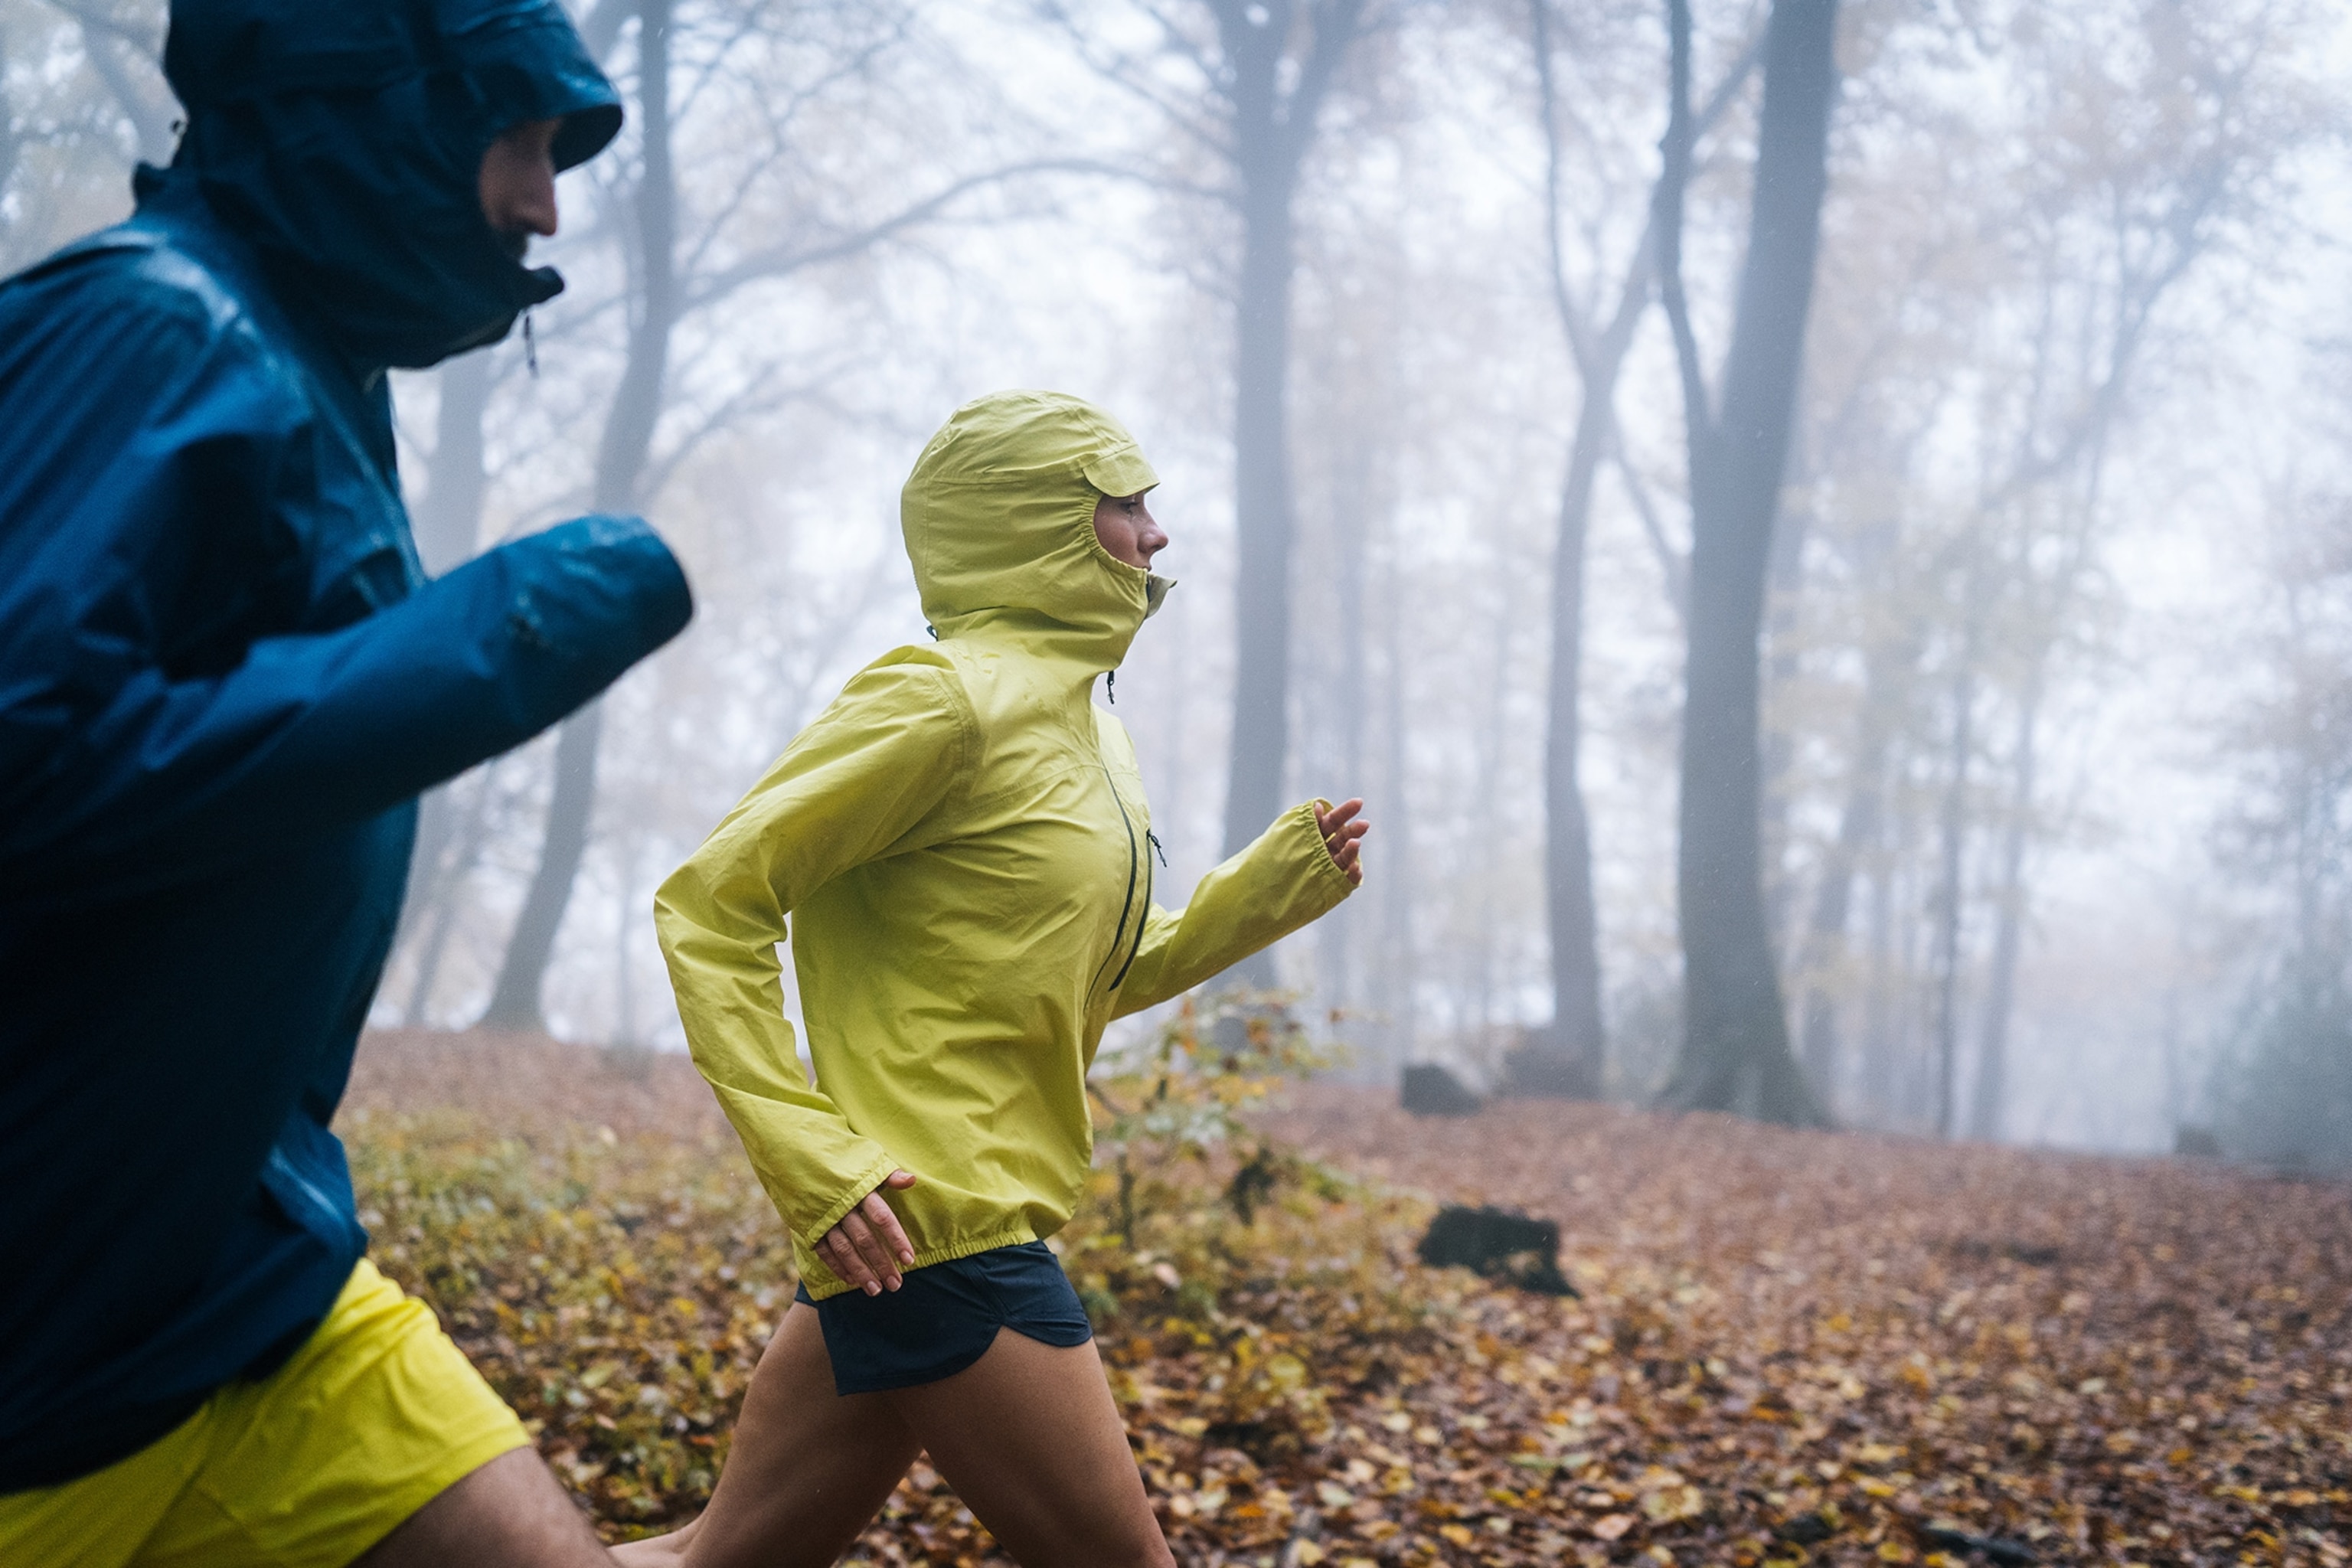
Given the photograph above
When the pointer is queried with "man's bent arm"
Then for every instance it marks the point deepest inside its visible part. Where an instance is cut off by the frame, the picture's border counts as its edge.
(309, 732)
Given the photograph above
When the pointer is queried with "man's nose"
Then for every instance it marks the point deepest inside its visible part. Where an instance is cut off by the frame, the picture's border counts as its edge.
(534, 210)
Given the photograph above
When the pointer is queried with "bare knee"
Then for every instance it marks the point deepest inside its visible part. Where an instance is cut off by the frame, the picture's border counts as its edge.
(508, 1513)
(658, 1550)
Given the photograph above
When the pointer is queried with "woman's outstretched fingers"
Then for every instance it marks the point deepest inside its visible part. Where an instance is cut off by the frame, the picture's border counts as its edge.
(1342, 833)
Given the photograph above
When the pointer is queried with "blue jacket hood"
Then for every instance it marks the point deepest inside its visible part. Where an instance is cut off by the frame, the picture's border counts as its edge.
(344, 142)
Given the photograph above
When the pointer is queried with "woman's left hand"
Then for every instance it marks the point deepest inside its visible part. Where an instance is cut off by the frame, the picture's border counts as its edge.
(1343, 834)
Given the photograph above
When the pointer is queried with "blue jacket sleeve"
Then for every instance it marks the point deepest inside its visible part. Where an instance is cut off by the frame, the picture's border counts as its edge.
(309, 732)
(168, 462)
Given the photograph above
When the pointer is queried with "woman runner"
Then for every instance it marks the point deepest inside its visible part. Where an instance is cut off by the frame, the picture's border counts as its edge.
(962, 844)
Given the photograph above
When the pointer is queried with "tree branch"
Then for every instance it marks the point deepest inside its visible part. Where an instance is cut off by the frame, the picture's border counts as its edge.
(1674, 180)
(1573, 321)
(102, 34)
(1120, 71)
(1336, 25)
(783, 260)
(1674, 563)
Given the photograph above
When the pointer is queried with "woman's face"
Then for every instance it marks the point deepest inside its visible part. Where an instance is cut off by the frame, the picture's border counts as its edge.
(1127, 530)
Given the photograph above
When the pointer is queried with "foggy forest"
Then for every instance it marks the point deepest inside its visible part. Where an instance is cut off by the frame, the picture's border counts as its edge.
(1822, 535)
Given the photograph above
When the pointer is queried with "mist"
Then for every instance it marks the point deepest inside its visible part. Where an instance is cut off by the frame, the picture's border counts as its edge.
(2053, 767)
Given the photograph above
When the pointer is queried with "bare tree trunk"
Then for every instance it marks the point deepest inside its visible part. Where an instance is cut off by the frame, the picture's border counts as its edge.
(449, 875)
(1573, 1054)
(1736, 1053)
(448, 522)
(1825, 931)
(1263, 521)
(625, 903)
(1570, 1057)
(1273, 112)
(1886, 684)
(1784, 583)
(1991, 1097)
(1953, 853)
(449, 517)
(1337, 932)
(1399, 979)
(1488, 791)
(1273, 119)
(620, 460)
(1878, 1003)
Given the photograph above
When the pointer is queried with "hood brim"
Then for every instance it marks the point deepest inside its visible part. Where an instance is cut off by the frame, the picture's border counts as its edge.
(534, 65)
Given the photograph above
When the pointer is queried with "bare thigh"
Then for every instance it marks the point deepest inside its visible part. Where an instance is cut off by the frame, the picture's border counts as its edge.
(1032, 1441)
(808, 1468)
(509, 1513)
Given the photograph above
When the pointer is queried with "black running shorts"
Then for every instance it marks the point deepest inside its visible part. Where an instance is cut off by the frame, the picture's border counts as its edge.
(942, 1318)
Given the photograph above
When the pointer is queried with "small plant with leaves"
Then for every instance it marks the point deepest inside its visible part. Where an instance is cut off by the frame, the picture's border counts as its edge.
(1184, 1101)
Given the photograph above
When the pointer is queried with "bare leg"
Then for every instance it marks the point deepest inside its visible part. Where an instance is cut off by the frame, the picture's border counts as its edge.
(510, 1513)
(808, 1471)
(1032, 1442)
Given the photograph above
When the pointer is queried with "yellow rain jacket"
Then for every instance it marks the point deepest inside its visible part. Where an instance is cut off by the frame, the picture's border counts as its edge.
(961, 842)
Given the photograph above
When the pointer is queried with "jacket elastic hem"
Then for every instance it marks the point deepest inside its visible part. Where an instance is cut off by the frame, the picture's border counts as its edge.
(1018, 1235)
(860, 1187)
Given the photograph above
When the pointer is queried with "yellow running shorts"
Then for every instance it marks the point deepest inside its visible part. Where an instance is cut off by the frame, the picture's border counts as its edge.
(374, 1417)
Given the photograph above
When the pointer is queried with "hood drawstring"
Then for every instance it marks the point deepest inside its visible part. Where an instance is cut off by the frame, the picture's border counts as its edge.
(530, 346)
(932, 629)
(1110, 686)
(1153, 840)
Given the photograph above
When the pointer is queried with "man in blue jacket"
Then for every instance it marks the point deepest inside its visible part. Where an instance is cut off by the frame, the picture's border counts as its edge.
(223, 681)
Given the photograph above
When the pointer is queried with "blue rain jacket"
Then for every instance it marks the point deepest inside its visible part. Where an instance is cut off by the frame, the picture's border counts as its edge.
(224, 680)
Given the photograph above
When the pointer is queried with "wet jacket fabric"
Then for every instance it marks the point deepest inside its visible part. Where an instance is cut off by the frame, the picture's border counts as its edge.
(223, 679)
(962, 848)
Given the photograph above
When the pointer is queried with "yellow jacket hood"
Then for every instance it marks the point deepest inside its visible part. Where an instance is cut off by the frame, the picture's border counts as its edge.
(998, 517)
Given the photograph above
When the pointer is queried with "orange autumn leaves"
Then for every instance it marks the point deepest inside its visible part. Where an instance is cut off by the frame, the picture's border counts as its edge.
(1855, 1348)
(1793, 1348)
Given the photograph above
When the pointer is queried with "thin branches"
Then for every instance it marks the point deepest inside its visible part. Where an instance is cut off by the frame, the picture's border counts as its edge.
(1674, 182)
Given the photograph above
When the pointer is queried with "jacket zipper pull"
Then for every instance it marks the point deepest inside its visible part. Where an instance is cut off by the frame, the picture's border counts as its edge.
(1110, 686)
(1153, 840)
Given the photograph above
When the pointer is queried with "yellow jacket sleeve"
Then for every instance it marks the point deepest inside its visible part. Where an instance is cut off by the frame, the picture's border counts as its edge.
(849, 789)
(1283, 881)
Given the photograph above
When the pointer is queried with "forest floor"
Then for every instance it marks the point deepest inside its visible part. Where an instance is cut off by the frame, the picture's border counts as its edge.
(1790, 1347)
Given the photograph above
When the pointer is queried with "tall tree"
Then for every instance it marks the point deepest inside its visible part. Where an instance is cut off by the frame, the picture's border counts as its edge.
(1734, 1054)
(1890, 657)
(1951, 837)
(448, 515)
(1570, 1056)
(672, 280)
(2156, 207)
(448, 521)
(620, 462)
(1273, 84)
(1265, 70)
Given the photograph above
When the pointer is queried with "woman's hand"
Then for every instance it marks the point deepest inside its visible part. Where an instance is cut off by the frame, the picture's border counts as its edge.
(1343, 836)
(867, 1248)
